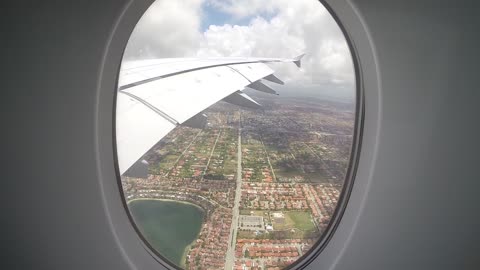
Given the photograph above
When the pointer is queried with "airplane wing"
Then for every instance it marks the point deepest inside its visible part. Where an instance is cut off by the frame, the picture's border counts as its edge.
(155, 96)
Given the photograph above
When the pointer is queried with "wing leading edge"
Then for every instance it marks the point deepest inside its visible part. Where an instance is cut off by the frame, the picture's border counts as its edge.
(157, 95)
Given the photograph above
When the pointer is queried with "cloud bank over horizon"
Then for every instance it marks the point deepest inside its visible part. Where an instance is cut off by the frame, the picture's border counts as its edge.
(251, 28)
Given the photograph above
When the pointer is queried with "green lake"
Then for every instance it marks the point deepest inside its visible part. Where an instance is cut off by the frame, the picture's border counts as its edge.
(168, 226)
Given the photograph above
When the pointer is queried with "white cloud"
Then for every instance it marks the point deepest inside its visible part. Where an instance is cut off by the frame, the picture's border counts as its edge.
(167, 29)
(298, 26)
(171, 29)
(260, 38)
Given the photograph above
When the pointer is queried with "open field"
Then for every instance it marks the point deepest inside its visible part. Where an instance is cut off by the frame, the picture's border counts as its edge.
(300, 220)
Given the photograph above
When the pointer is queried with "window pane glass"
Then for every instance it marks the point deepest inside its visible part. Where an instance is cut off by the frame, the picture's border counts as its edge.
(215, 178)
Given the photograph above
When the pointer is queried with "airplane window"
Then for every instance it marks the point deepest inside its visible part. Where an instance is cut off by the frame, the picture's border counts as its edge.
(235, 124)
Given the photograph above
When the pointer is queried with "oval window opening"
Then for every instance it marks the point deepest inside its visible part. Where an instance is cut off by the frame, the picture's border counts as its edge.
(235, 122)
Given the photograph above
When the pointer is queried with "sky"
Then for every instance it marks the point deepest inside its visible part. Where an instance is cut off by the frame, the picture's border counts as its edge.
(252, 28)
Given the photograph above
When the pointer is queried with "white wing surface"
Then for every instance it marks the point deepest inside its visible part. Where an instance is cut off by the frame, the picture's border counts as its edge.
(154, 96)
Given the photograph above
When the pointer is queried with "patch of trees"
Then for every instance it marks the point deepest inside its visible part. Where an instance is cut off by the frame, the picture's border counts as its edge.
(212, 176)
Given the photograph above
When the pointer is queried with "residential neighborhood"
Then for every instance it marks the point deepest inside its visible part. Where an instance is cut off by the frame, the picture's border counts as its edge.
(268, 181)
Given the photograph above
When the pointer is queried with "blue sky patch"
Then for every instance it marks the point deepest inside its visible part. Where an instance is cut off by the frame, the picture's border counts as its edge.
(214, 16)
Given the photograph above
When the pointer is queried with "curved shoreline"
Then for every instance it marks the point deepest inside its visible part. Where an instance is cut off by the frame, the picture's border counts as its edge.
(187, 248)
(167, 200)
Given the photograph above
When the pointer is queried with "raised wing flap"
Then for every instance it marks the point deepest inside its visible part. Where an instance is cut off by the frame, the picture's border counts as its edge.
(241, 99)
(273, 78)
(259, 86)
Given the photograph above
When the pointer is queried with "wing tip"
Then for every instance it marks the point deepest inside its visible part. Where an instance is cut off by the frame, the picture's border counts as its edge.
(298, 60)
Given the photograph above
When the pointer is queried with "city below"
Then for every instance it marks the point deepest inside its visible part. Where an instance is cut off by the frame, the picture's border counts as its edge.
(267, 181)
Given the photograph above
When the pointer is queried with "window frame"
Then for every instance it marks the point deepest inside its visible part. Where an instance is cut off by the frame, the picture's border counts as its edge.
(122, 232)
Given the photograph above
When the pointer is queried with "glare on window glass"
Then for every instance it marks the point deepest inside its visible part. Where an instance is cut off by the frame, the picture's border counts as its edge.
(234, 129)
